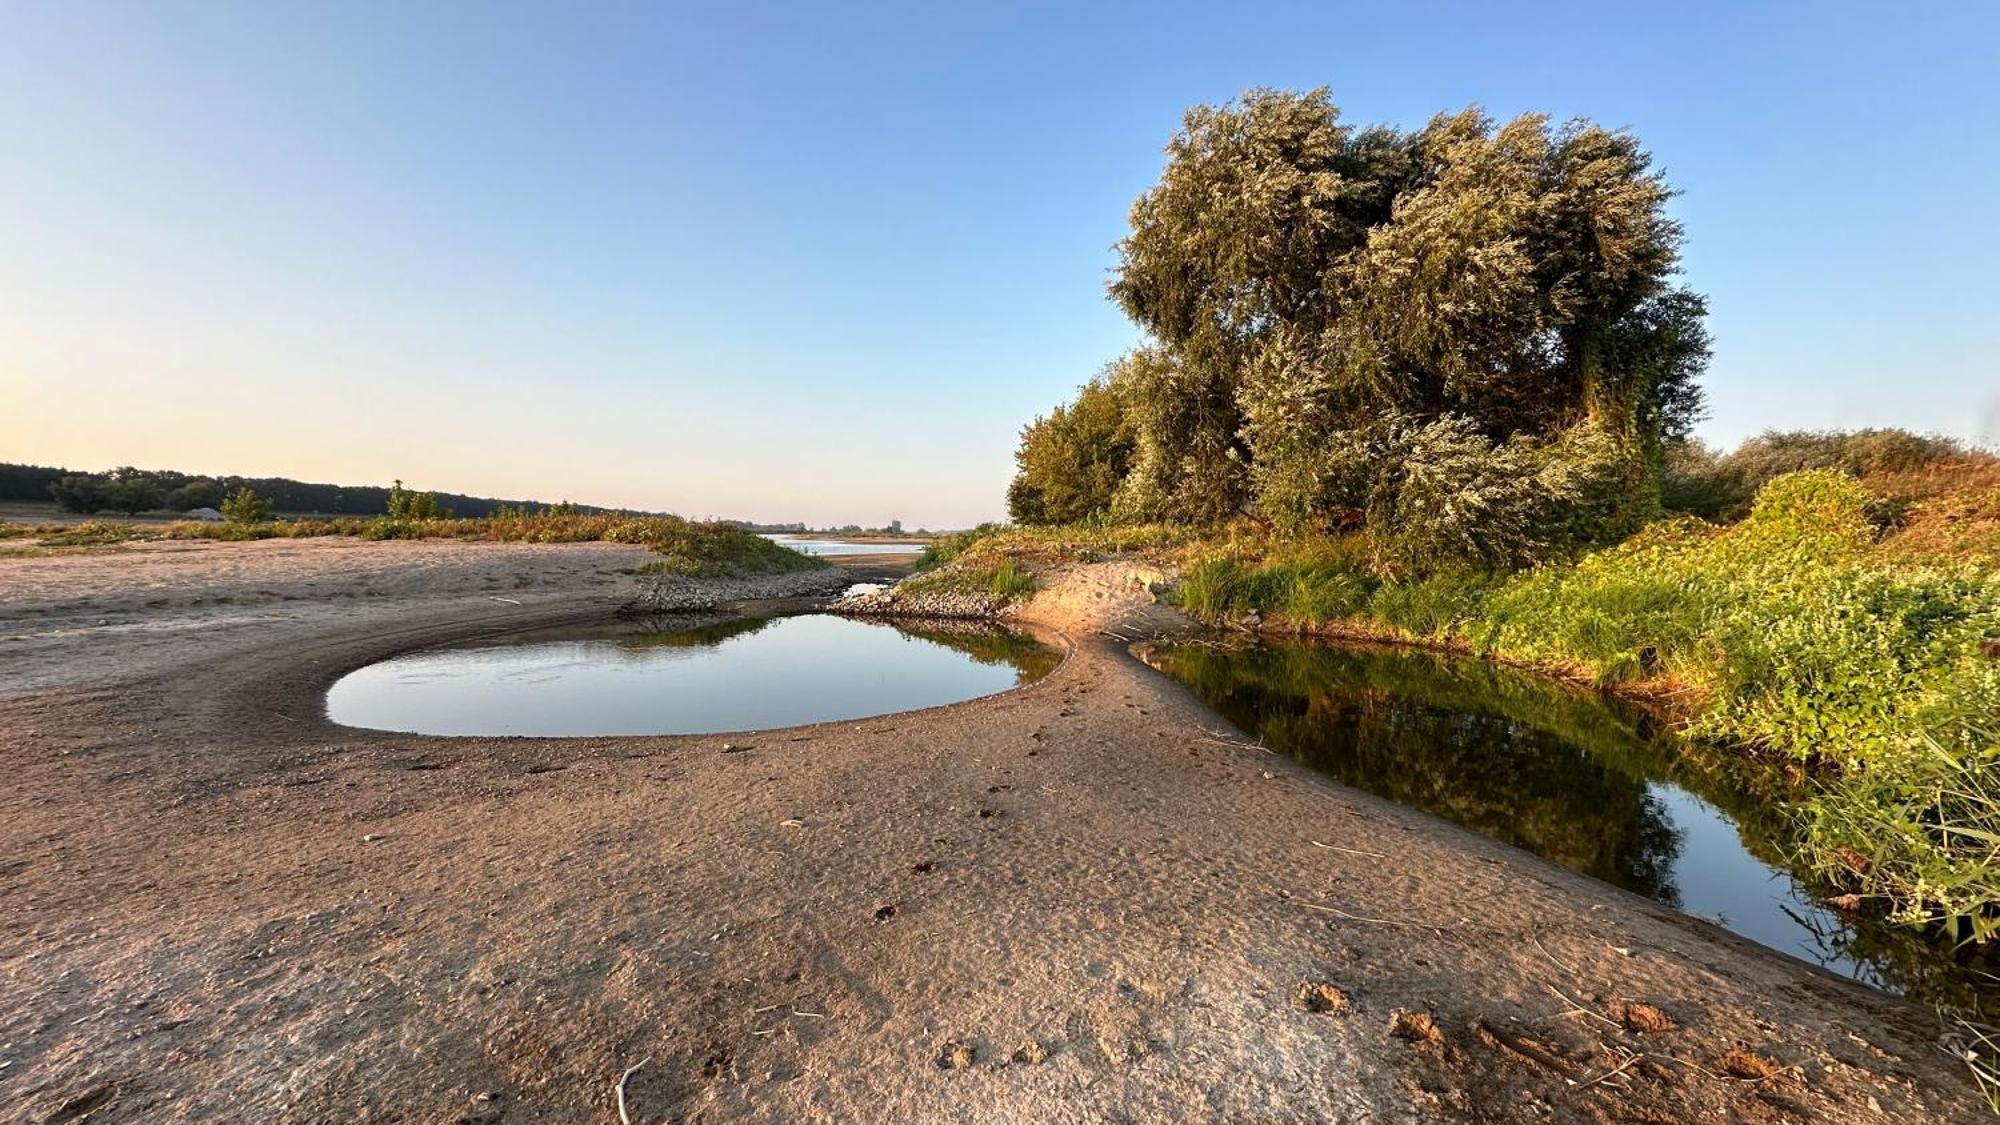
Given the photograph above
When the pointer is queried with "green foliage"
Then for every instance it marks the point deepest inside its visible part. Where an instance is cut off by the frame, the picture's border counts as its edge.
(405, 505)
(245, 507)
(1071, 462)
(1009, 582)
(87, 493)
(94, 534)
(1718, 486)
(945, 548)
(1005, 581)
(1792, 633)
(1465, 336)
(1921, 830)
(684, 546)
(1212, 588)
(121, 490)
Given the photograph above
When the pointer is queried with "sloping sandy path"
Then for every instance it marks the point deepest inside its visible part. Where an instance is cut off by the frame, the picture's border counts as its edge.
(1083, 901)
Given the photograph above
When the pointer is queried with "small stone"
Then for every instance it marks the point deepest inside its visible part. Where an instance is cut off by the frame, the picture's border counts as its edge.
(374, 836)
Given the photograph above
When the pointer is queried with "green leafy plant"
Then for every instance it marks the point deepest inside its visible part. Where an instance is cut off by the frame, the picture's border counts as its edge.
(246, 507)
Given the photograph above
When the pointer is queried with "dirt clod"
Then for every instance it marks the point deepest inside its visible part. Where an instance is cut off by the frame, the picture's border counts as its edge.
(1740, 1063)
(954, 1055)
(1415, 1027)
(1644, 1018)
(883, 914)
(1318, 996)
(1030, 1052)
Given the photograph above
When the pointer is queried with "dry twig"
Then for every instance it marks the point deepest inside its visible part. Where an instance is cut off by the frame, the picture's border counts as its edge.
(625, 1118)
(1348, 851)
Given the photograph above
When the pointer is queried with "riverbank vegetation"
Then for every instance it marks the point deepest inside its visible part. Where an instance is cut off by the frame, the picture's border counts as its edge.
(1439, 387)
(685, 547)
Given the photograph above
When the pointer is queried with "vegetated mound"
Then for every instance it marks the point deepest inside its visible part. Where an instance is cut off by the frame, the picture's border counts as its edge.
(701, 548)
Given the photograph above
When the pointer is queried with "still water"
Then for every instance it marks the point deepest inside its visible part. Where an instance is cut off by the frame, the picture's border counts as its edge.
(812, 546)
(1572, 776)
(744, 674)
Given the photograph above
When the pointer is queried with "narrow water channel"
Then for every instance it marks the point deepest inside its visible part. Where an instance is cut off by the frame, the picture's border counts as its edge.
(1573, 776)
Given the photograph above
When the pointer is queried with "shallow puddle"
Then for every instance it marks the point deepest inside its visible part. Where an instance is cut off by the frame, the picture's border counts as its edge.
(1573, 776)
(739, 675)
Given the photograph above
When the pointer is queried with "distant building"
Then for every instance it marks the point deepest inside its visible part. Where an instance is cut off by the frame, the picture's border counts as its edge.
(208, 514)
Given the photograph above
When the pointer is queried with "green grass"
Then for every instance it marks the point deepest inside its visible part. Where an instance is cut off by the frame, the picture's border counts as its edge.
(1808, 632)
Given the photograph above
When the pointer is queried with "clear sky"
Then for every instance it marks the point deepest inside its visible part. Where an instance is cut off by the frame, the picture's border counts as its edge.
(821, 261)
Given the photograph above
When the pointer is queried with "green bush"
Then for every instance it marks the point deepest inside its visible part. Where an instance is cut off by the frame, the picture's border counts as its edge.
(245, 507)
(1211, 589)
(1010, 582)
(405, 505)
(1718, 486)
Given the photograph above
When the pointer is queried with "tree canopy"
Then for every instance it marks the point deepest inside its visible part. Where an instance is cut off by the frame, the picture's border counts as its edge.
(1326, 303)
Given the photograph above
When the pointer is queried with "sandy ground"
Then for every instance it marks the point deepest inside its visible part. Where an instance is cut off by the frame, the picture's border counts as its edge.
(1082, 901)
(140, 608)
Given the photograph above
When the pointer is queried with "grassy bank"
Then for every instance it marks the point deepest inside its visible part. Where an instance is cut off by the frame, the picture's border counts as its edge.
(1802, 633)
(1847, 636)
(688, 547)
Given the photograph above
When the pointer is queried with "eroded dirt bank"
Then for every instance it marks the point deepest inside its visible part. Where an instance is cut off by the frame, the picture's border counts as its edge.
(1082, 901)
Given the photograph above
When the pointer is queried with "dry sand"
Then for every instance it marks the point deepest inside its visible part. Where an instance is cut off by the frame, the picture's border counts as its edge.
(1081, 901)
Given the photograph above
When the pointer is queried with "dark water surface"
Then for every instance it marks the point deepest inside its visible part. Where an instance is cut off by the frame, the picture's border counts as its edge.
(1575, 777)
(745, 674)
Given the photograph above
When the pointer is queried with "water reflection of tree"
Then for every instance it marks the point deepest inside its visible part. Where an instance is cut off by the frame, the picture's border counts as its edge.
(986, 644)
(666, 631)
(1494, 755)
(1555, 770)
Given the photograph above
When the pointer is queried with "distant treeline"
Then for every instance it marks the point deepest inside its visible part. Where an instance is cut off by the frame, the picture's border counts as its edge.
(132, 491)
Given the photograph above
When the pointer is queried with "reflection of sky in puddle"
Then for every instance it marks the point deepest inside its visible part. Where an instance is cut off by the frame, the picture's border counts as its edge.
(742, 675)
(1718, 879)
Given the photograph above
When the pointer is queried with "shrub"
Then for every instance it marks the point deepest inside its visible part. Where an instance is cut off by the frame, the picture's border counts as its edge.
(1211, 589)
(406, 505)
(1010, 582)
(945, 548)
(245, 507)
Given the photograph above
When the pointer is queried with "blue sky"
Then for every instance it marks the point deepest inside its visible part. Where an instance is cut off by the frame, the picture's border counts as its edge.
(822, 261)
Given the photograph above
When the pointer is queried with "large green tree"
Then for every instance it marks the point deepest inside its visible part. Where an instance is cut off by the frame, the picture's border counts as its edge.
(1315, 290)
(1072, 461)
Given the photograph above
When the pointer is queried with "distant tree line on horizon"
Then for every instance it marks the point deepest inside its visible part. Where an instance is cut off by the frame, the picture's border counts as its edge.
(131, 491)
